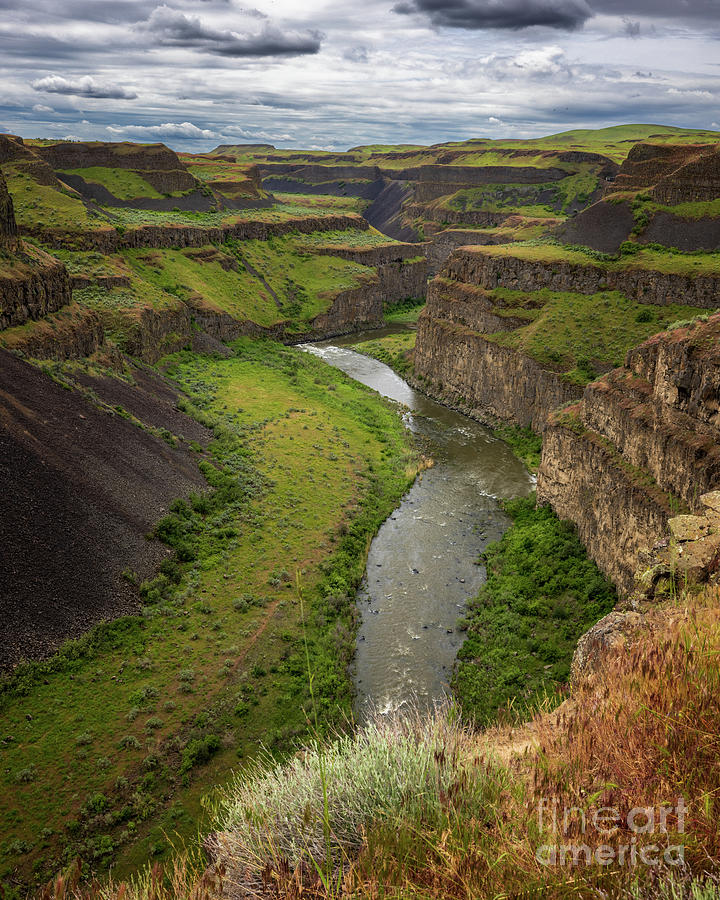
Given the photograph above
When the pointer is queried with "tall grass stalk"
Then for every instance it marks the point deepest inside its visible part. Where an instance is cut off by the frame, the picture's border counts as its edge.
(325, 875)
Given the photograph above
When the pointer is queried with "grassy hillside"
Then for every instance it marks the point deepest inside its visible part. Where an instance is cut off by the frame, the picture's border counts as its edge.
(425, 808)
(152, 710)
(266, 282)
(582, 335)
(614, 142)
(122, 183)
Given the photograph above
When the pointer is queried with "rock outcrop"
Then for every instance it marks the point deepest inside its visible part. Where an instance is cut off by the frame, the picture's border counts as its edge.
(110, 240)
(457, 362)
(157, 164)
(152, 333)
(72, 333)
(521, 272)
(32, 285)
(439, 247)
(641, 446)
(401, 268)
(664, 174)
(673, 173)
(8, 225)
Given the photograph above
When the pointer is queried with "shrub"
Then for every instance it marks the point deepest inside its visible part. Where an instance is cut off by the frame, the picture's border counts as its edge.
(542, 592)
(392, 767)
(25, 776)
(199, 751)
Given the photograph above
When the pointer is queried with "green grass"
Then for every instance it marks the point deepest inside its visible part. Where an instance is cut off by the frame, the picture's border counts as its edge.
(305, 282)
(542, 593)
(42, 205)
(349, 238)
(91, 263)
(651, 257)
(125, 731)
(280, 212)
(524, 443)
(122, 183)
(577, 187)
(614, 142)
(185, 274)
(121, 308)
(407, 312)
(582, 334)
(267, 282)
(698, 209)
(394, 350)
(322, 202)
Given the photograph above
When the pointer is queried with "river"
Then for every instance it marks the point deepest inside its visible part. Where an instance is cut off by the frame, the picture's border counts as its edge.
(423, 563)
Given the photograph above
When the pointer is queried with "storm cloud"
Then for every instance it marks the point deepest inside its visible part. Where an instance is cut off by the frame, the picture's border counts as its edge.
(82, 87)
(509, 14)
(172, 28)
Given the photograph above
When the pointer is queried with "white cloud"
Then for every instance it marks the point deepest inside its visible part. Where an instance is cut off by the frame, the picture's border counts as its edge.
(85, 86)
(166, 130)
(691, 93)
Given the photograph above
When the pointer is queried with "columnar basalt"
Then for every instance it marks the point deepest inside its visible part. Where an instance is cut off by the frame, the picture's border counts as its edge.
(642, 445)
(73, 332)
(519, 272)
(32, 285)
(458, 364)
(110, 240)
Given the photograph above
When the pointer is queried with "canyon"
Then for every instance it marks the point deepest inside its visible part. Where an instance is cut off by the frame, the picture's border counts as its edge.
(160, 428)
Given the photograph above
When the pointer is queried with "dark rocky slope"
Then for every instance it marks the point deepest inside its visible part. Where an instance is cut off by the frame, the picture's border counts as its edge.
(8, 225)
(81, 489)
(652, 176)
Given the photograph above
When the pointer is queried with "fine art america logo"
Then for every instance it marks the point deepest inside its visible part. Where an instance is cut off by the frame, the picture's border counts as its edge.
(582, 836)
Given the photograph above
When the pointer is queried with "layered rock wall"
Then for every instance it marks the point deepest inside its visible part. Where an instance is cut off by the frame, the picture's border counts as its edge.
(402, 270)
(463, 368)
(641, 446)
(439, 247)
(471, 264)
(111, 240)
(121, 155)
(72, 333)
(32, 285)
(618, 517)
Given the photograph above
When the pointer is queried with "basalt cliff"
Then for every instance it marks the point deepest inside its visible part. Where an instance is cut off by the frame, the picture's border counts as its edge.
(639, 448)
(518, 333)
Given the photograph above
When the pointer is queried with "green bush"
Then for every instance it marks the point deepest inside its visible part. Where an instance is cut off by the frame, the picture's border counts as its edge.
(541, 594)
(199, 751)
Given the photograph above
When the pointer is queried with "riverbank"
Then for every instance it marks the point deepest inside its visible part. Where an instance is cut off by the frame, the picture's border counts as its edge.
(396, 349)
(519, 625)
(423, 564)
(542, 594)
(155, 709)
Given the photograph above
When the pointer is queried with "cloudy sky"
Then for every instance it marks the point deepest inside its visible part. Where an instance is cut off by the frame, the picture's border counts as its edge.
(337, 73)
